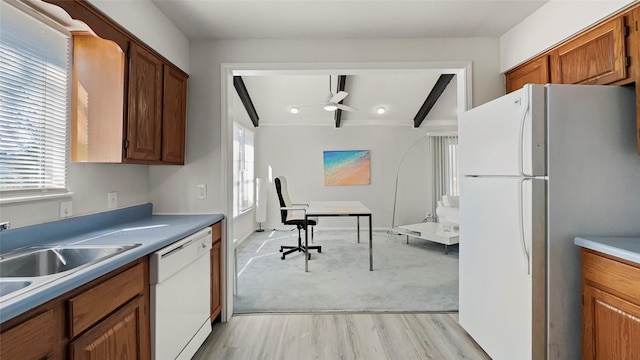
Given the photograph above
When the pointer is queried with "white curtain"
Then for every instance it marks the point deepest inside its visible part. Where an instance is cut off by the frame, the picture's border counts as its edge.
(445, 167)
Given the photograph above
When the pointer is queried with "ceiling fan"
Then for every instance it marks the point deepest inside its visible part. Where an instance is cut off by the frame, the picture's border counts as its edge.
(332, 102)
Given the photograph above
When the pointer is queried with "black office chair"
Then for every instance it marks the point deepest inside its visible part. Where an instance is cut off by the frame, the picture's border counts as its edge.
(293, 217)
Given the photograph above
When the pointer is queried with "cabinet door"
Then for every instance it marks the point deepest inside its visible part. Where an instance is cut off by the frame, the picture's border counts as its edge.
(533, 72)
(33, 339)
(144, 120)
(117, 337)
(611, 326)
(596, 57)
(174, 115)
(216, 279)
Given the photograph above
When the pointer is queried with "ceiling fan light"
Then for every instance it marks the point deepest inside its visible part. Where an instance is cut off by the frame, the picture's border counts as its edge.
(294, 110)
(381, 110)
(330, 107)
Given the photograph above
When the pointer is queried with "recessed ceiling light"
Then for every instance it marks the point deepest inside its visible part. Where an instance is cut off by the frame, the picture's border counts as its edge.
(294, 110)
(381, 110)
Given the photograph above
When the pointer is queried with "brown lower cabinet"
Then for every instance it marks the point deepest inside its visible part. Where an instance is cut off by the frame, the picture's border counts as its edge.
(611, 307)
(117, 337)
(216, 271)
(107, 318)
(19, 342)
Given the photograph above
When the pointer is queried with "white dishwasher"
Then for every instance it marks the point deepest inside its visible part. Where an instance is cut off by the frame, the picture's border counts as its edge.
(179, 276)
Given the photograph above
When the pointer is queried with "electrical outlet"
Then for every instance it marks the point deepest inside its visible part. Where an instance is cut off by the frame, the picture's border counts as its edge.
(5, 225)
(202, 191)
(112, 200)
(65, 209)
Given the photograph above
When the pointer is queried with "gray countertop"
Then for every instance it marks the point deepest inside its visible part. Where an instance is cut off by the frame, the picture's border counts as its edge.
(130, 226)
(627, 248)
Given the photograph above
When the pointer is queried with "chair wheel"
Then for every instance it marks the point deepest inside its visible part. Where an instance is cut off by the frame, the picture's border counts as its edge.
(309, 256)
(282, 257)
(319, 251)
(280, 250)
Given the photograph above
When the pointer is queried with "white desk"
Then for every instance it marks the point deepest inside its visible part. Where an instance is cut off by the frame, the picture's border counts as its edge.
(338, 208)
(430, 231)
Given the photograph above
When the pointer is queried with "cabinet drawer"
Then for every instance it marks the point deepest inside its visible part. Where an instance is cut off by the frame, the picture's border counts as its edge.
(33, 339)
(89, 307)
(217, 231)
(616, 277)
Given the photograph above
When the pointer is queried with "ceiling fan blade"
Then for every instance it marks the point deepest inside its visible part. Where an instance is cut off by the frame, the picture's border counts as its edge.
(339, 96)
(345, 107)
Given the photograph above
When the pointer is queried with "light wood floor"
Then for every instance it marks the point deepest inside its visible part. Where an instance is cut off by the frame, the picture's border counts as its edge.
(373, 336)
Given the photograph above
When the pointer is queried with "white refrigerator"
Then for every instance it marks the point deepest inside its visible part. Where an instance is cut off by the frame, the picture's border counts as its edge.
(540, 166)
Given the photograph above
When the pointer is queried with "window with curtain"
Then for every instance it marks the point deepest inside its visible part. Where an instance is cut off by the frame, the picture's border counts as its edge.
(243, 163)
(451, 165)
(34, 103)
(445, 167)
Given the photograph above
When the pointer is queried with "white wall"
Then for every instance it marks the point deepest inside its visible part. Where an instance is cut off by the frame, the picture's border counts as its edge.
(552, 23)
(296, 152)
(173, 188)
(90, 183)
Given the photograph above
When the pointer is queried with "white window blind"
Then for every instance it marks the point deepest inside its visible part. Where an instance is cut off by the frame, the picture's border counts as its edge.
(243, 174)
(34, 102)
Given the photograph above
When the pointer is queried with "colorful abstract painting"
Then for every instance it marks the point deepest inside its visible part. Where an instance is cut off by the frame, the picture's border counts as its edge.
(348, 167)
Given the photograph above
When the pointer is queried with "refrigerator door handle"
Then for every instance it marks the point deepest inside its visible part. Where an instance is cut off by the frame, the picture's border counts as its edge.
(523, 244)
(523, 118)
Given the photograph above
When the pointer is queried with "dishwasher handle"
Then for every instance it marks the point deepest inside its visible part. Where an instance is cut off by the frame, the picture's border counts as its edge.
(174, 250)
(175, 257)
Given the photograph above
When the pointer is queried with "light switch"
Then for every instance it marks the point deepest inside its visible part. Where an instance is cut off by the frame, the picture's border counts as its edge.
(112, 200)
(65, 209)
(202, 191)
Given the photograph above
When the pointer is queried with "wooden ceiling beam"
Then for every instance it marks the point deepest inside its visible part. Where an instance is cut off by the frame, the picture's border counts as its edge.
(342, 80)
(431, 100)
(238, 83)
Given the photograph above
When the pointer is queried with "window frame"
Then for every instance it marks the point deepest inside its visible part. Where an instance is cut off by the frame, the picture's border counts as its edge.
(243, 177)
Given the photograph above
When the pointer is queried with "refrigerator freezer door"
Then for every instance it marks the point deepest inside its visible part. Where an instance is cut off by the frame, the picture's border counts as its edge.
(502, 297)
(505, 136)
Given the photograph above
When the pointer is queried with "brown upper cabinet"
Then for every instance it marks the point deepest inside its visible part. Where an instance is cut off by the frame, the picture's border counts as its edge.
(144, 127)
(596, 57)
(606, 54)
(174, 119)
(535, 71)
(97, 99)
(146, 118)
(157, 109)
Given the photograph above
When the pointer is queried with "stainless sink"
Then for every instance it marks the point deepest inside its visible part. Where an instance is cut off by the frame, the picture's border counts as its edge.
(43, 261)
(9, 286)
(27, 268)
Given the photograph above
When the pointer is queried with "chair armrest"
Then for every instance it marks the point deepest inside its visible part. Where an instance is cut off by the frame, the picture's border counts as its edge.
(294, 208)
(305, 205)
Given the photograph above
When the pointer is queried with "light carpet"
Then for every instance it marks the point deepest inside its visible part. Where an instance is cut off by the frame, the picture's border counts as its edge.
(418, 276)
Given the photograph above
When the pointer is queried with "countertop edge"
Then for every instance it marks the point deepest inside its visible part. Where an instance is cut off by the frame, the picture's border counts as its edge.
(611, 246)
(14, 307)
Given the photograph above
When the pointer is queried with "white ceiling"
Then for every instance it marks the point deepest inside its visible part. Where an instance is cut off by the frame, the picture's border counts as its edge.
(402, 95)
(303, 19)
